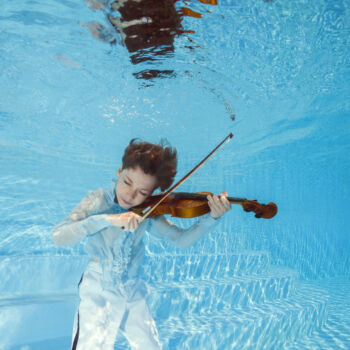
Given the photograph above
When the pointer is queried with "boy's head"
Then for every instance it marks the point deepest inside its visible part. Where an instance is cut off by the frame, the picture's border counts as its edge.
(157, 160)
(145, 167)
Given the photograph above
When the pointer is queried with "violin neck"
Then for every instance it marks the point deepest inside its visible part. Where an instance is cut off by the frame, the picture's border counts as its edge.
(233, 200)
(203, 197)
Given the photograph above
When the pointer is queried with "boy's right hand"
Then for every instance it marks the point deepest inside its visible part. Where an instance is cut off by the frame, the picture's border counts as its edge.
(127, 221)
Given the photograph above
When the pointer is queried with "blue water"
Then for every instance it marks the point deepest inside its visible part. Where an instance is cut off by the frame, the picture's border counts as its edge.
(274, 73)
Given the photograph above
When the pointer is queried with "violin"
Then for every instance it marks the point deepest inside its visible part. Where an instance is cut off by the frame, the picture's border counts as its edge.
(191, 205)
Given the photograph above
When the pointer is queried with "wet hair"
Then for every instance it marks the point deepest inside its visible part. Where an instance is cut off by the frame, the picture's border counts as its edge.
(159, 160)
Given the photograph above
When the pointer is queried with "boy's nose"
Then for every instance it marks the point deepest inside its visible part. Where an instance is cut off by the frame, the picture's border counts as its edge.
(132, 194)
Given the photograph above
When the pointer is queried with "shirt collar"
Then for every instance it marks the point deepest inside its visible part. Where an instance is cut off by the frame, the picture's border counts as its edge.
(111, 196)
(111, 190)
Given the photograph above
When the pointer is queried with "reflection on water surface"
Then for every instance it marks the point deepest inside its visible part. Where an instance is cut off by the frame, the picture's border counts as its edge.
(148, 29)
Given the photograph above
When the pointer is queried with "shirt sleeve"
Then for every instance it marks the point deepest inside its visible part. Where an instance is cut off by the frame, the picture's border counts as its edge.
(180, 237)
(82, 220)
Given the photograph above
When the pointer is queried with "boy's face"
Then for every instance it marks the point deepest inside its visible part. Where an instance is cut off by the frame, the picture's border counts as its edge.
(134, 186)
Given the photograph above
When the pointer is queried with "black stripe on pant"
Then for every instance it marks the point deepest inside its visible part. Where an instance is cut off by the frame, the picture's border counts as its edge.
(76, 338)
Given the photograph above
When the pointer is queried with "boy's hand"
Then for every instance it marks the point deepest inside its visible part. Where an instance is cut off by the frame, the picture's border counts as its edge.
(127, 221)
(218, 205)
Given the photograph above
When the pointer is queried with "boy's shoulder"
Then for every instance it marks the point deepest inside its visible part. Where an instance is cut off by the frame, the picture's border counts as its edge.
(100, 193)
(97, 192)
(97, 197)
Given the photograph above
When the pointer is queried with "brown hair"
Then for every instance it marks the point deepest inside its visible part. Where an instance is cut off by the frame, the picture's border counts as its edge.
(158, 160)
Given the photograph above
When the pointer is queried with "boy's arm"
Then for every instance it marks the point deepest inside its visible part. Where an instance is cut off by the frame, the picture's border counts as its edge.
(180, 237)
(183, 238)
(81, 221)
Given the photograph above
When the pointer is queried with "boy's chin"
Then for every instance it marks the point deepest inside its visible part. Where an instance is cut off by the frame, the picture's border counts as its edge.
(124, 205)
(121, 203)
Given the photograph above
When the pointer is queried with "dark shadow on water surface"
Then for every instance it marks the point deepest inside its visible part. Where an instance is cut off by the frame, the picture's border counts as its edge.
(147, 28)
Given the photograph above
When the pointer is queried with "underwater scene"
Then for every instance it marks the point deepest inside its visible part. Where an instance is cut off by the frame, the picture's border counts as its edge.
(80, 79)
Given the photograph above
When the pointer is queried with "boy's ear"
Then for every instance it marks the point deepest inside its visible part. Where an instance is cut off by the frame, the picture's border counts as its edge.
(119, 171)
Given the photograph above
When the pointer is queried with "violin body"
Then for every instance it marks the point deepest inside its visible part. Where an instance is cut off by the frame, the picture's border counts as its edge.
(177, 204)
(191, 205)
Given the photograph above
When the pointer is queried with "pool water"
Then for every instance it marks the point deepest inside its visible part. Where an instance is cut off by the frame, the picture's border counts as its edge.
(275, 74)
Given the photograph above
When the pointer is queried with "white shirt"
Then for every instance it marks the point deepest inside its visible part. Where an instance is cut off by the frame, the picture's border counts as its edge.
(120, 253)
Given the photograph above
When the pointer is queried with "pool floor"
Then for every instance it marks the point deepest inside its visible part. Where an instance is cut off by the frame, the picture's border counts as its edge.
(252, 305)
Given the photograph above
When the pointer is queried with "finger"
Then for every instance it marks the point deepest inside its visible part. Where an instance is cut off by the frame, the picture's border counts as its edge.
(225, 202)
(129, 225)
(222, 206)
(211, 205)
(215, 208)
(137, 218)
(218, 206)
(218, 203)
(136, 221)
(212, 201)
(213, 211)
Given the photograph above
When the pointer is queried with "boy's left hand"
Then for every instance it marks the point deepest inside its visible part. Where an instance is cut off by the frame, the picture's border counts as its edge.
(218, 205)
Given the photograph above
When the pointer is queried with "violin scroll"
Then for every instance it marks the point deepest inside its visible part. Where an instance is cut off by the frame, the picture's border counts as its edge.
(266, 211)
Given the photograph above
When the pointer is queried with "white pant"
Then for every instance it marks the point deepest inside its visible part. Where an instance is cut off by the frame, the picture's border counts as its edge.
(102, 313)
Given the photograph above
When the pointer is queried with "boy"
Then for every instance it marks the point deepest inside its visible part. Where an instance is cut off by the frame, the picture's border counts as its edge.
(112, 297)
